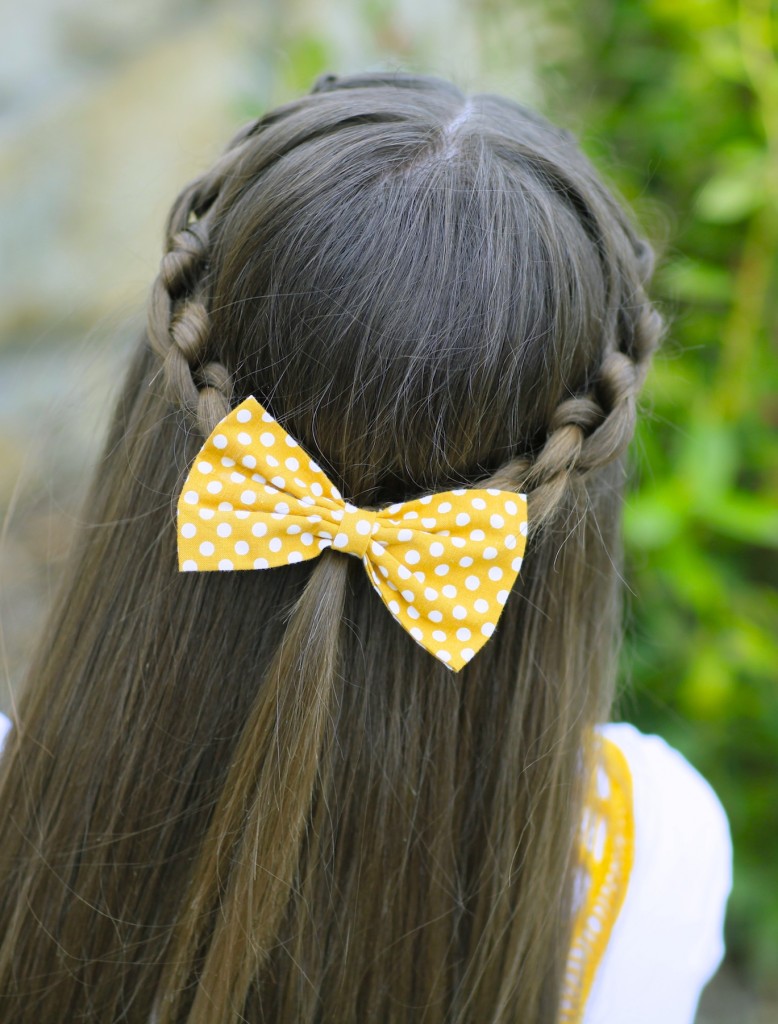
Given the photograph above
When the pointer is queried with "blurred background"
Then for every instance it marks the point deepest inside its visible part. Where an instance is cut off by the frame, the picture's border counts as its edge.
(106, 110)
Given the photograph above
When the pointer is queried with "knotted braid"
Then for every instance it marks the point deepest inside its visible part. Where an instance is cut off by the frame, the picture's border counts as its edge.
(586, 431)
(178, 321)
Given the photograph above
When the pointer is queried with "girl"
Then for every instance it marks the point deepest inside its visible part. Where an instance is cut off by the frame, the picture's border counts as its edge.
(312, 787)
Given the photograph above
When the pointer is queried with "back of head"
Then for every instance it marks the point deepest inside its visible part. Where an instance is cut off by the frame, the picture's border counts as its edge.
(250, 795)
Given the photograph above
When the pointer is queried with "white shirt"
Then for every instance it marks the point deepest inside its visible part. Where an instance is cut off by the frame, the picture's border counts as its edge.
(668, 939)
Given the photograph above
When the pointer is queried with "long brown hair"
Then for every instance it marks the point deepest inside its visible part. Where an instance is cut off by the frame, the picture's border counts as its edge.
(251, 795)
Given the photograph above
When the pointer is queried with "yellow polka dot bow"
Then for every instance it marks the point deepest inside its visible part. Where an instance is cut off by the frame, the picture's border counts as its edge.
(443, 564)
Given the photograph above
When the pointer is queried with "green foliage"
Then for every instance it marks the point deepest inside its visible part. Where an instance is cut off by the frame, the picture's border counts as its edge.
(686, 93)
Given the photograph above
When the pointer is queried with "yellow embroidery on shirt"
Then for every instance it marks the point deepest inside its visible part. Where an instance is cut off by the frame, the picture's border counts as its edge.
(607, 854)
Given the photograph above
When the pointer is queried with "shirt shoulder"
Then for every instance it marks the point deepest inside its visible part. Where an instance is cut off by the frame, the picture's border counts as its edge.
(5, 728)
(668, 939)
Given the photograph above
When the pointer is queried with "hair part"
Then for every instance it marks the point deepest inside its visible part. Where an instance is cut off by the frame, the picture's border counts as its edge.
(250, 796)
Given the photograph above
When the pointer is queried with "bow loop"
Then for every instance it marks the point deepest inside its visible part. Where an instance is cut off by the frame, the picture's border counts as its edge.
(443, 564)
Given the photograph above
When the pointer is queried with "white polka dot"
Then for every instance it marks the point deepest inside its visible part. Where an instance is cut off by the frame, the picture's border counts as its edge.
(363, 526)
(472, 583)
(225, 506)
(214, 487)
(481, 605)
(435, 615)
(459, 612)
(207, 513)
(377, 548)
(426, 499)
(467, 653)
(443, 655)
(241, 548)
(463, 633)
(404, 535)
(394, 607)
(502, 596)
(439, 635)
(259, 529)
(497, 521)
(294, 528)
(266, 417)
(441, 570)
(261, 563)
(409, 596)
(495, 573)
(243, 415)
(444, 507)
(466, 561)
(516, 564)
(510, 507)
(412, 612)
(191, 497)
(429, 523)
(523, 529)
(458, 542)
(205, 467)
(394, 508)
(189, 566)
(224, 529)
(295, 556)
(340, 541)
(249, 461)
(478, 503)
(412, 556)
(245, 438)
(314, 466)
(248, 497)
(436, 549)
(404, 572)
(188, 530)
(383, 570)
(420, 576)
(493, 491)
(336, 493)
(227, 462)
(412, 514)
(242, 513)
(416, 633)
(431, 594)
(477, 535)
(317, 489)
(292, 463)
(490, 552)
(459, 491)
(281, 508)
(237, 478)
(306, 539)
(226, 565)
(449, 591)
(462, 519)
(219, 441)
(291, 441)
(487, 629)
(336, 513)
(275, 544)
(510, 541)
(206, 548)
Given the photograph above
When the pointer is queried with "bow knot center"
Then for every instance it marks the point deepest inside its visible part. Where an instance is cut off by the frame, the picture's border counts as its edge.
(356, 528)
